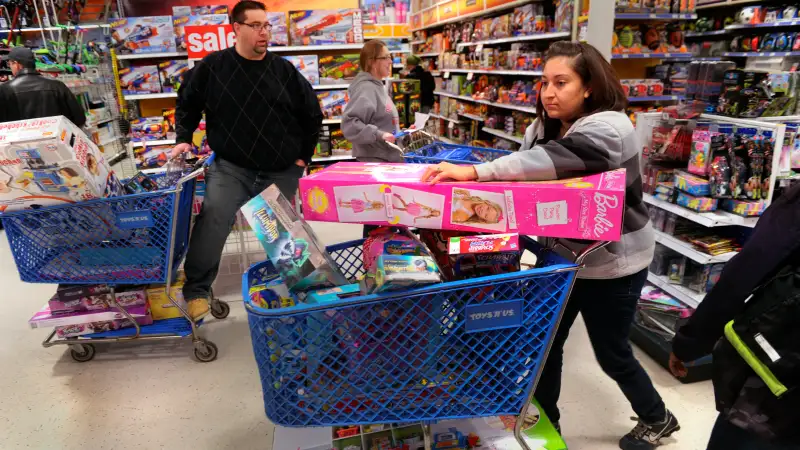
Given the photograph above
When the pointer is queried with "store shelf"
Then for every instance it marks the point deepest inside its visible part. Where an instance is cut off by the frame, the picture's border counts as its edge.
(332, 158)
(780, 23)
(503, 134)
(705, 33)
(154, 55)
(325, 87)
(108, 141)
(650, 16)
(398, 66)
(154, 143)
(658, 98)
(523, 73)
(150, 96)
(429, 54)
(527, 109)
(687, 249)
(472, 117)
(331, 121)
(709, 219)
(461, 18)
(38, 30)
(446, 140)
(684, 294)
(760, 54)
(531, 37)
(651, 55)
(723, 3)
(300, 48)
(422, 41)
(437, 116)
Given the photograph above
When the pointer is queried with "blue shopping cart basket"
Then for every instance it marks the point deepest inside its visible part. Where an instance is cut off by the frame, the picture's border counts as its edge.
(456, 154)
(117, 240)
(453, 350)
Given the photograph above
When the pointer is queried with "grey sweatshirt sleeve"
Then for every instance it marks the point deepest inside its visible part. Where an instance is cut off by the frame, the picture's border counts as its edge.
(595, 146)
(357, 118)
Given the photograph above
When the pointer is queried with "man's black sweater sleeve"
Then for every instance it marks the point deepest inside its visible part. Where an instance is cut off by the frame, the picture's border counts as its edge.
(309, 115)
(191, 102)
(772, 243)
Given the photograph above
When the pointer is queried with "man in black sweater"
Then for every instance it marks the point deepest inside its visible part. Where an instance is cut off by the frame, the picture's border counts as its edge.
(262, 122)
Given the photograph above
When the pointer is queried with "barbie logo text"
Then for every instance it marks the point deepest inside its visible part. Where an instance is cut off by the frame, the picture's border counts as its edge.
(604, 203)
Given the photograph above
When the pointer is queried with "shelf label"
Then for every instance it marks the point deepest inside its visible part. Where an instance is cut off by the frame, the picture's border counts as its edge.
(493, 316)
(446, 75)
(451, 125)
(479, 48)
(470, 75)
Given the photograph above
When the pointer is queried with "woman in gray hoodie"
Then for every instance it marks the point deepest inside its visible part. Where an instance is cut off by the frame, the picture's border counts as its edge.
(370, 118)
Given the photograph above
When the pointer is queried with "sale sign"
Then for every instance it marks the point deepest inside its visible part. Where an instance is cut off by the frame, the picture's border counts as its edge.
(203, 40)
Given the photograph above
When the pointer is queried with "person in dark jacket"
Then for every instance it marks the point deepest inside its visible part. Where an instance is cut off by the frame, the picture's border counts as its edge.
(262, 122)
(426, 82)
(30, 95)
(746, 423)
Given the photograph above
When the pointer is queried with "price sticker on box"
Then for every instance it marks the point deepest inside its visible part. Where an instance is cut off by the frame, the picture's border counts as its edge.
(493, 316)
(446, 75)
(470, 75)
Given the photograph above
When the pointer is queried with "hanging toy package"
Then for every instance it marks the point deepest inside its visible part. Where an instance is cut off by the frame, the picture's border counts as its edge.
(755, 152)
(720, 170)
(739, 163)
(768, 147)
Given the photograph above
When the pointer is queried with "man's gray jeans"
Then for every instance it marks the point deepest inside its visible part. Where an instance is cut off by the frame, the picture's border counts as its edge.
(228, 187)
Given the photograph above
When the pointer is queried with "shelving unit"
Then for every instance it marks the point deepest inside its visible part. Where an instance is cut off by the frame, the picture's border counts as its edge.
(651, 56)
(472, 116)
(522, 73)
(685, 248)
(504, 135)
(759, 54)
(687, 296)
(708, 219)
(438, 116)
(467, 98)
(153, 55)
(153, 143)
(651, 16)
(331, 121)
(326, 87)
(528, 38)
(660, 98)
(129, 97)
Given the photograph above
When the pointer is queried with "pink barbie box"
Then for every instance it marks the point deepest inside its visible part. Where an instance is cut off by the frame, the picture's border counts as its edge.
(392, 194)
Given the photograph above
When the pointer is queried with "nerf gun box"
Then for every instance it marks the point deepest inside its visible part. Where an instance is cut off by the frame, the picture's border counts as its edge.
(194, 20)
(280, 32)
(320, 27)
(589, 207)
(290, 243)
(171, 74)
(139, 80)
(141, 35)
(308, 65)
(338, 69)
(332, 103)
(182, 11)
(50, 161)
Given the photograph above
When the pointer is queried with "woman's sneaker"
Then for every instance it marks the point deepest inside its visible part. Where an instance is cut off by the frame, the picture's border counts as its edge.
(646, 436)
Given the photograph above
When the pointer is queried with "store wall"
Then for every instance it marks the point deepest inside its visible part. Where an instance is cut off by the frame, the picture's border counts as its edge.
(160, 7)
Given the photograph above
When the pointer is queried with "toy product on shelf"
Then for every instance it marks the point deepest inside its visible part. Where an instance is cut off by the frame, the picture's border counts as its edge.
(477, 256)
(148, 129)
(194, 20)
(50, 161)
(590, 207)
(332, 103)
(307, 65)
(181, 11)
(338, 69)
(290, 243)
(171, 73)
(339, 145)
(139, 80)
(140, 35)
(320, 27)
(699, 204)
(691, 184)
(744, 208)
(279, 36)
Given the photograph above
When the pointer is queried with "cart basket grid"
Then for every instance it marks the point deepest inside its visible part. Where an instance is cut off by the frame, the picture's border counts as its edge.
(456, 154)
(453, 350)
(116, 240)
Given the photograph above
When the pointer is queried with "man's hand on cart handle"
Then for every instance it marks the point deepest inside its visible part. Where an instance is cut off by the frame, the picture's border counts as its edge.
(446, 171)
(179, 149)
(388, 137)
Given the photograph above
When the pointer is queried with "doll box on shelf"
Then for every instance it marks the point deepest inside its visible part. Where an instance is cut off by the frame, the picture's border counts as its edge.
(50, 161)
(392, 194)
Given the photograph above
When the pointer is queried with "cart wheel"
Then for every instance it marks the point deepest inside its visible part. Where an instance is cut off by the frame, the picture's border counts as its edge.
(205, 351)
(220, 309)
(86, 355)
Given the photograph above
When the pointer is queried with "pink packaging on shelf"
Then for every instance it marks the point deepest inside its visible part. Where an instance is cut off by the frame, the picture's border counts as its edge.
(44, 318)
(392, 194)
(99, 327)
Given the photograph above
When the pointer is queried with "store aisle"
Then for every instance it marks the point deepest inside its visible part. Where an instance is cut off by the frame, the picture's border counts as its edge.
(155, 396)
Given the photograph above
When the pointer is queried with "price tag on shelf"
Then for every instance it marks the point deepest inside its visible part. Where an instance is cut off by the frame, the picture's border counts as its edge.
(478, 48)
(470, 75)
(446, 75)
(451, 125)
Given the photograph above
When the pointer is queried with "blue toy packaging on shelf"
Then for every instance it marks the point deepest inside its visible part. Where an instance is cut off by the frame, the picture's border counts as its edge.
(139, 80)
(142, 35)
(171, 74)
(290, 243)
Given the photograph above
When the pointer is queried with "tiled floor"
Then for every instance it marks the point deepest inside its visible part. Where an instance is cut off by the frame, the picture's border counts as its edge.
(156, 396)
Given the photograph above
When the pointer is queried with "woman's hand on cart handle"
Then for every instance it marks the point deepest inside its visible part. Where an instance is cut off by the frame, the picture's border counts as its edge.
(446, 171)
(388, 137)
(179, 149)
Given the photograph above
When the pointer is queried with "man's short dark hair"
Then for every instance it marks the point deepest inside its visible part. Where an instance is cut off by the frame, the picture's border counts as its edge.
(241, 8)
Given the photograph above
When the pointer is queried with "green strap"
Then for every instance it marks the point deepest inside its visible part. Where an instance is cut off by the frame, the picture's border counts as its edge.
(752, 360)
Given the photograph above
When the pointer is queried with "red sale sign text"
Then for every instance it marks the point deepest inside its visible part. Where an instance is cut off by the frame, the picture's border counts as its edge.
(205, 39)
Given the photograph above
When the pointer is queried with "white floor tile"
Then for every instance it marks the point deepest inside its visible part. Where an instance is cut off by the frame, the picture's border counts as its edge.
(156, 396)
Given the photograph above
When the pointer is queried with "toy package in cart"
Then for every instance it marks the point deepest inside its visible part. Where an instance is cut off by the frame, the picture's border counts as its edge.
(319, 27)
(290, 243)
(589, 207)
(140, 35)
(50, 161)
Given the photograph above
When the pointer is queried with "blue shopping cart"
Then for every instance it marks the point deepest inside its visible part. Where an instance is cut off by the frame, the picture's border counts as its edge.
(131, 239)
(461, 349)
